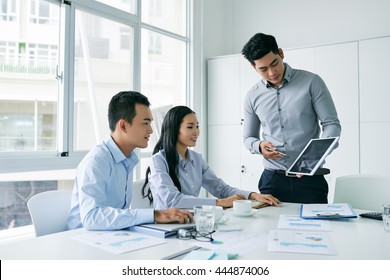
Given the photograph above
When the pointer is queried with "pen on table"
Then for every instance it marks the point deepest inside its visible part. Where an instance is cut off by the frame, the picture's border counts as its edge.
(328, 215)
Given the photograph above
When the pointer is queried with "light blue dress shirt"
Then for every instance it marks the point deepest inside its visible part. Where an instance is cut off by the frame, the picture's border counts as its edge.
(193, 173)
(289, 116)
(103, 189)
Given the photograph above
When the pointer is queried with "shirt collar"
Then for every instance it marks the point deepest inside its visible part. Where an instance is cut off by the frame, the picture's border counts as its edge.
(189, 159)
(117, 153)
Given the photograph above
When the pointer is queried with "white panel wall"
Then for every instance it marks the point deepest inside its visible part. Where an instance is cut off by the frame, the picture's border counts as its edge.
(374, 61)
(227, 71)
(224, 119)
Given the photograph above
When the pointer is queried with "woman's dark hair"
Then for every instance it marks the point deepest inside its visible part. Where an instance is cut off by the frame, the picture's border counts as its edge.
(169, 134)
(258, 46)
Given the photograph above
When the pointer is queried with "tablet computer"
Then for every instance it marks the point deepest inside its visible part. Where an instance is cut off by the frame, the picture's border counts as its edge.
(312, 156)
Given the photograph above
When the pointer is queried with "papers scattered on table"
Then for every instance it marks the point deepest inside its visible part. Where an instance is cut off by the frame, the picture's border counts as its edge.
(300, 242)
(235, 242)
(118, 242)
(294, 222)
(327, 211)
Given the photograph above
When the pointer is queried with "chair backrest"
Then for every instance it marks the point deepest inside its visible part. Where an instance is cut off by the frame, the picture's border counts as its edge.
(49, 211)
(137, 201)
(366, 192)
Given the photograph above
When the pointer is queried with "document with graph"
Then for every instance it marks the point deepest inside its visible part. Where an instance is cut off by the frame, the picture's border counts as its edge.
(118, 242)
(294, 222)
(304, 242)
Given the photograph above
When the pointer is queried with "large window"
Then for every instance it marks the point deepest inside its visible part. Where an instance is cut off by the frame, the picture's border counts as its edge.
(28, 88)
(60, 64)
(102, 68)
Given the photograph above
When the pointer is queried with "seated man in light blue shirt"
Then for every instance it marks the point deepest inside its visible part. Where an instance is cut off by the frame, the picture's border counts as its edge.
(103, 185)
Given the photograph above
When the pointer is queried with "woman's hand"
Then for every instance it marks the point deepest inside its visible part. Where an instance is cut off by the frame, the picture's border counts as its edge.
(228, 202)
(266, 198)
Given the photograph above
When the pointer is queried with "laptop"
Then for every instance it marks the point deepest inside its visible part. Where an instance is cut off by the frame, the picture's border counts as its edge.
(312, 156)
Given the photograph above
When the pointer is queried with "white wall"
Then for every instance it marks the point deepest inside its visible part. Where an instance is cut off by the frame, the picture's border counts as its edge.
(228, 24)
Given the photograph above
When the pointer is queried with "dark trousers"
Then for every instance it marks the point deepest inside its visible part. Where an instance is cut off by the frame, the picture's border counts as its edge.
(307, 189)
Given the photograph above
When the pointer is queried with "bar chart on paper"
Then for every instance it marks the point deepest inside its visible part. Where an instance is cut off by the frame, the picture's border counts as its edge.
(118, 242)
(295, 222)
(300, 242)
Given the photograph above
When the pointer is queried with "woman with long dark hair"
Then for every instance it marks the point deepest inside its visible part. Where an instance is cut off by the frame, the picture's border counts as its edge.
(177, 173)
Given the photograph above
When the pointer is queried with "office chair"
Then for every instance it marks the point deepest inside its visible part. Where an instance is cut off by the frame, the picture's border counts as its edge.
(366, 192)
(137, 201)
(49, 211)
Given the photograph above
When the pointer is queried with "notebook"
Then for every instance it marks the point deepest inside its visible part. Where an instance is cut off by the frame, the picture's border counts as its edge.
(161, 230)
(312, 156)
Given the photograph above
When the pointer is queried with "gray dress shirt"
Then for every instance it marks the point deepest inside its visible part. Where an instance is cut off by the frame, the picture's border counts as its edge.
(289, 116)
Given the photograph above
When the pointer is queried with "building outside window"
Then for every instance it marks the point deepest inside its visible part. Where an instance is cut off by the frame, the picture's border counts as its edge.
(56, 83)
(8, 10)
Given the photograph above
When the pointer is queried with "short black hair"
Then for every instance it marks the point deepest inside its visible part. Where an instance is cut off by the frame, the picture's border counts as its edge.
(122, 106)
(258, 46)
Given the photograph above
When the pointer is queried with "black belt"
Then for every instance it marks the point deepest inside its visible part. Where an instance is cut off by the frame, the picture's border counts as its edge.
(320, 171)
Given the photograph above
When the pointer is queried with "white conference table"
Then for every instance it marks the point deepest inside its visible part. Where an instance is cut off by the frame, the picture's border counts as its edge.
(354, 239)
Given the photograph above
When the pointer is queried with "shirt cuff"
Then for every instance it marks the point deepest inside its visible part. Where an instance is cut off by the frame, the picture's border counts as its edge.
(145, 216)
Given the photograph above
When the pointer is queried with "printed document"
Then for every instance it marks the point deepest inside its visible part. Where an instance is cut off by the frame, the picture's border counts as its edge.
(118, 242)
(300, 242)
(295, 222)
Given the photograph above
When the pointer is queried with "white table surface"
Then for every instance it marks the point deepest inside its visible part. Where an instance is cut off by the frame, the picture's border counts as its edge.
(353, 239)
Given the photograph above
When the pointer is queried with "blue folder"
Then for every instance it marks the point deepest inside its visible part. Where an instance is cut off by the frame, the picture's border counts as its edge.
(327, 211)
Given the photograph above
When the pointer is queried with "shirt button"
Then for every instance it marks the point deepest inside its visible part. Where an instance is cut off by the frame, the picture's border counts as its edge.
(282, 126)
(280, 109)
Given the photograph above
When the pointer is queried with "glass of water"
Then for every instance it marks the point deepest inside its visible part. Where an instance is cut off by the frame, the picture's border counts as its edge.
(204, 218)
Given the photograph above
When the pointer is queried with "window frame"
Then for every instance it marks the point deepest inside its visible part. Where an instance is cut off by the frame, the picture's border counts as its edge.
(65, 157)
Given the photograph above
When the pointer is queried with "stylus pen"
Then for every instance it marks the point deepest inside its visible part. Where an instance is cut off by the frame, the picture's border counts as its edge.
(270, 150)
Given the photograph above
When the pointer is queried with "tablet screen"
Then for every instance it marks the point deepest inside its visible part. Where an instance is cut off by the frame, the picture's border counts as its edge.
(312, 156)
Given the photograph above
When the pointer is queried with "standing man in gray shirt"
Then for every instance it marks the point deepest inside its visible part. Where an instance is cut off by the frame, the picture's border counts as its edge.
(291, 106)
